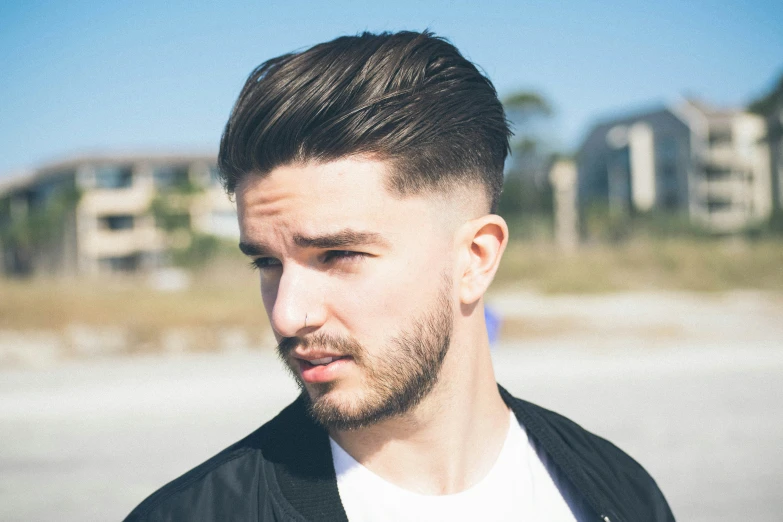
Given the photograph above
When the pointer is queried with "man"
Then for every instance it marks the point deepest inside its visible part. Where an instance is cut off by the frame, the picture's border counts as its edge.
(366, 171)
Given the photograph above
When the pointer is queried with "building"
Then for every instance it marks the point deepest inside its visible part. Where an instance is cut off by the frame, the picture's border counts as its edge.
(770, 107)
(735, 182)
(774, 141)
(641, 162)
(107, 214)
(711, 165)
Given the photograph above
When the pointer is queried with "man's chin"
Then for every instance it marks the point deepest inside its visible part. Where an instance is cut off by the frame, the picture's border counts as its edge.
(335, 409)
(328, 397)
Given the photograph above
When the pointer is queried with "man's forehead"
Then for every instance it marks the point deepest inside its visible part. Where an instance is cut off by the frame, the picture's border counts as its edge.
(330, 203)
(346, 193)
(352, 173)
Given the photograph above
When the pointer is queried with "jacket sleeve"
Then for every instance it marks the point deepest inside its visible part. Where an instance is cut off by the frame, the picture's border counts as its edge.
(226, 487)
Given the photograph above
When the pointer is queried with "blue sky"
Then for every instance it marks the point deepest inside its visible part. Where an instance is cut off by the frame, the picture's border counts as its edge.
(148, 75)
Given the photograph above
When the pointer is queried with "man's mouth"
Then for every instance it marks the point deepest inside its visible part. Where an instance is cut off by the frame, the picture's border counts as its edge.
(322, 369)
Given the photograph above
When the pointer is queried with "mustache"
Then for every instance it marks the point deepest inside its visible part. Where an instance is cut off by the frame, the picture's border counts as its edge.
(333, 343)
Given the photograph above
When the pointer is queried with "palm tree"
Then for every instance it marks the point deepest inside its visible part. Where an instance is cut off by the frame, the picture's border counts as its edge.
(526, 103)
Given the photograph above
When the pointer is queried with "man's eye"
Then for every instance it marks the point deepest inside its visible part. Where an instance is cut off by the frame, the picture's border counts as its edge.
(263, 263)
(342, 255)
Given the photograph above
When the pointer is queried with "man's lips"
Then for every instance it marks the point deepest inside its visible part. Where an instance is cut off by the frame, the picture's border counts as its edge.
(318, 367)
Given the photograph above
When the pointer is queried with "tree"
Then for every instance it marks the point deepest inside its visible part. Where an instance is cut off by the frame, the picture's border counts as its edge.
(171, 211)
(37, 238)
(525, 104)
(767, 103)
(527, 189)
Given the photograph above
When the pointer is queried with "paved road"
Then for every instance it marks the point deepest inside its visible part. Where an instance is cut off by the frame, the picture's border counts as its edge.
(87, 440)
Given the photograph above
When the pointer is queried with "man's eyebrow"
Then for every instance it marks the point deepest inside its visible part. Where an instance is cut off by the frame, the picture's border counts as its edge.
(252, 249)
(344, 238)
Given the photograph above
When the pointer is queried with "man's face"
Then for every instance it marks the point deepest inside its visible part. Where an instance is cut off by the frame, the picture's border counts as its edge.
(356, 282)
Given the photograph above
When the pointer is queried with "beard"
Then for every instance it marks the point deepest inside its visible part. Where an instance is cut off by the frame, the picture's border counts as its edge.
(394, 381)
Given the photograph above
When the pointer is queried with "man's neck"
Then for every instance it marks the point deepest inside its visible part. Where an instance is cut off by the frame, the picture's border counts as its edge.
(450, 441)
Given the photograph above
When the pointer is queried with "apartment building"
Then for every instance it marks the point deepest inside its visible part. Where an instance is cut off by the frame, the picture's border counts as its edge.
(709, 164)
(774, 141)
(733, 176)
(104, 214)
(637, 163)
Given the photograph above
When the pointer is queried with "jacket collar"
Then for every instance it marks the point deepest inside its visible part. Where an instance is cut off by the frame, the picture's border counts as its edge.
(302, 459)
(301, 455)
(538, 425)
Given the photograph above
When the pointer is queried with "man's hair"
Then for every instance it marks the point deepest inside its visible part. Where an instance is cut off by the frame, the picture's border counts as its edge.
(409, 99)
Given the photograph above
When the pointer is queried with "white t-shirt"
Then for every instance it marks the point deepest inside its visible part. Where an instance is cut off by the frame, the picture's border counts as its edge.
(518, 487)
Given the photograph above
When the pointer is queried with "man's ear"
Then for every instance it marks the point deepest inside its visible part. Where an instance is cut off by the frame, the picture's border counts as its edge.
(482, 241)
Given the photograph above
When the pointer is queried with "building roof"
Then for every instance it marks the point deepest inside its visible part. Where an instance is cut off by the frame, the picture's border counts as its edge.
(16, 181)
(20, 180)
(599, 129)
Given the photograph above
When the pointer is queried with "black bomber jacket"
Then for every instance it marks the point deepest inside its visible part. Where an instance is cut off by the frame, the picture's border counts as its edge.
(283, 472)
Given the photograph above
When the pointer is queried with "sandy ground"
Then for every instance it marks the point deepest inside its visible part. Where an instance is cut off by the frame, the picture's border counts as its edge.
(691, 386)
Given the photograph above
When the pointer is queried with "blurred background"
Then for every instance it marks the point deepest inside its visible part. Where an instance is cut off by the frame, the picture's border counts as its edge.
(641, 294)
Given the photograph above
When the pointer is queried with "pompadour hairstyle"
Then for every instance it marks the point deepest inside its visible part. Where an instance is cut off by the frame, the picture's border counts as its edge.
(410, 99)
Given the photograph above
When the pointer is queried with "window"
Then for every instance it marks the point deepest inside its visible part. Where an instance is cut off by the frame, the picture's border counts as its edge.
(668, 174)
(57, 185)
(667, 149)
(720, 136)
(113, 176)
(718, 205)
(619, 175)
(596, 182)
(121, 263)
(717, 173)
(5, 211)
(171, 177)
(671, 199)
(116, 222)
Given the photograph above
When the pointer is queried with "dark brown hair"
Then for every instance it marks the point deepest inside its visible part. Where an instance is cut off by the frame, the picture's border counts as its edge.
(407, 98)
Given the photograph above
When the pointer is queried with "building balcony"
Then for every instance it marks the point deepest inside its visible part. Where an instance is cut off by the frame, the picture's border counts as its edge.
(729, 189)
(113, 243)
(132, 200)
(730, 220)
(725, 218)
(726, 157)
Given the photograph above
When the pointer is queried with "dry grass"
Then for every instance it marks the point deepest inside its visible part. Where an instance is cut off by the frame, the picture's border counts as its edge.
(226, 295)
(230, 299)
(676, 264)
(527, 328)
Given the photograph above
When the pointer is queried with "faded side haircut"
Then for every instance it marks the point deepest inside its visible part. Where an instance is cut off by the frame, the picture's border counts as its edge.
(410, 99)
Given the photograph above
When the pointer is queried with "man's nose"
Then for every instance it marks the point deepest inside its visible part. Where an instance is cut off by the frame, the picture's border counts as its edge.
(298, 305)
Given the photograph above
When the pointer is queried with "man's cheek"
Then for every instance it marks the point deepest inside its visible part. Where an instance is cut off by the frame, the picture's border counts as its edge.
(379, 300)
